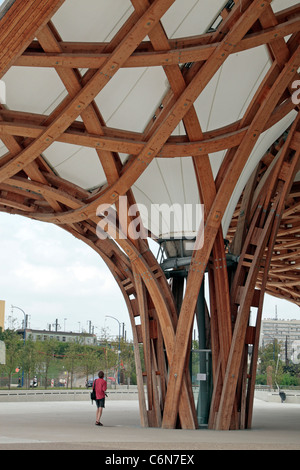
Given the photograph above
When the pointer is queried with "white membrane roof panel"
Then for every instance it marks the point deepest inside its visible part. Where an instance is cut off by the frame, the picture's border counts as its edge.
(191, 17)
(91, 20)
(33, 90)
(79, 165)
(131, 97)
(278, 5)
(3, 149)
(227, 96)
(171, 182)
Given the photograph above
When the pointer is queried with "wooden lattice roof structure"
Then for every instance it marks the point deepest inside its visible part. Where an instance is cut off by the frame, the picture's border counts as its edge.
(163, 101)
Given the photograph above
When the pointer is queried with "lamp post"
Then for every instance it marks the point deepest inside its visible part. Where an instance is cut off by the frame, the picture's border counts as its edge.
(119, 351)
(24, 335)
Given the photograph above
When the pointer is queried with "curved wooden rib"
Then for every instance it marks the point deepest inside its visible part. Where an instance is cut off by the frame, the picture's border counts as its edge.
(132, 143)
(199, 49)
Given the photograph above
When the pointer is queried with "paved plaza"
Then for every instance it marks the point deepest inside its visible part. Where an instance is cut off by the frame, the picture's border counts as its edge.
(70, 425)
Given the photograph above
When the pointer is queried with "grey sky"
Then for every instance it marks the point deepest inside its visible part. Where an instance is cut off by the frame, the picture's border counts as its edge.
(50, 274)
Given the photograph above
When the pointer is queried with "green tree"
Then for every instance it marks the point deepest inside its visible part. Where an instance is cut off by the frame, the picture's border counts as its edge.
(91, 360)
(72, 360)
(268, 356)
(14, 344)
(31, 359)
(127, 361)
(48, 349)
(289, 380)
(111, 357)
(110, 352)
(50, 356)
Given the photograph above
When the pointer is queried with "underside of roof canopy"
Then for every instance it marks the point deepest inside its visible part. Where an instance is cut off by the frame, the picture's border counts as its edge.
(167, 103)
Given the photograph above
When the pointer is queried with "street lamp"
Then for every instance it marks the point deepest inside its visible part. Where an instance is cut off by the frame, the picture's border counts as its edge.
(24, 334)
(276, 371)
(119, 351)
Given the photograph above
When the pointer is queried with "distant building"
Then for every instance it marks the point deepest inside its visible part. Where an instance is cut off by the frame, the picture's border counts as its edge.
(63, 336)
(287, 333)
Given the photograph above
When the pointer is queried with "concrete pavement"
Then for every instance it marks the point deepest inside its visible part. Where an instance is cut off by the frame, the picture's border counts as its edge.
(70, 425)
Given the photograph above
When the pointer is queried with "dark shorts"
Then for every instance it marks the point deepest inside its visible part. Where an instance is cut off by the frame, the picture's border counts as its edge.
(100, 403)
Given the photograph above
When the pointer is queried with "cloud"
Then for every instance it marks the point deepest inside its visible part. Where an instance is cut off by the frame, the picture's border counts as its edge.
(50, 274)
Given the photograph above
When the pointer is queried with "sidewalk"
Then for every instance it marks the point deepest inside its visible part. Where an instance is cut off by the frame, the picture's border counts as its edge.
(70, 425)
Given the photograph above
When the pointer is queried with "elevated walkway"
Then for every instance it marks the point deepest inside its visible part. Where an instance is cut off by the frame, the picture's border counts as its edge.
(20, 395)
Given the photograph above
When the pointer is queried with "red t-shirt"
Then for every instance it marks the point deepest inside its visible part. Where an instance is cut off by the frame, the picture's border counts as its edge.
(100, 388)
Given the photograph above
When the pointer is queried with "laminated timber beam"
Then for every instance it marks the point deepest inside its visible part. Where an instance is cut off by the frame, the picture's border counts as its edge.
(72, 55)
(112, 140)
(22, 21)
(30, 187)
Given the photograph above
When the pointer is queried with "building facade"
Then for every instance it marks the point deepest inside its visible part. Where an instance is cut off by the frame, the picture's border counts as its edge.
(63, 336)
(287, 333)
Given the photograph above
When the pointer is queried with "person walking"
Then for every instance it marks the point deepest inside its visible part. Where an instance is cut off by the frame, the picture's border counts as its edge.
(100, 386)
